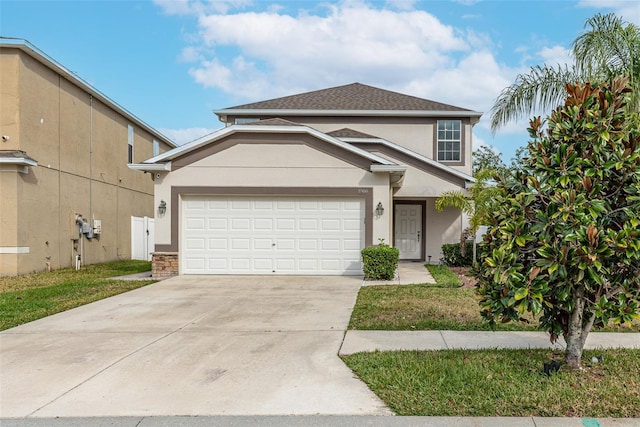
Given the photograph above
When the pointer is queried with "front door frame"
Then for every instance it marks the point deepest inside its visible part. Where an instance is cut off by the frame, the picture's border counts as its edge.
(423, 245)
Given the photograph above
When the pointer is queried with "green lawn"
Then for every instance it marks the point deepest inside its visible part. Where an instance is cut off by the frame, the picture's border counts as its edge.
(501, 383)
(433, 307)
(482, 382)
(444, 277)
(33, 296)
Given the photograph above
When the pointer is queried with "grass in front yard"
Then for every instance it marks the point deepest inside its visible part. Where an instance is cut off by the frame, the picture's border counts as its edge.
(420, 307)
(501, 383)
(444, 277)
(428, 307)
(33, 296)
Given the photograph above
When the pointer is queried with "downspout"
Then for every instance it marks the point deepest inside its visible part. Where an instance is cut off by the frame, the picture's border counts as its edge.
(91, 158)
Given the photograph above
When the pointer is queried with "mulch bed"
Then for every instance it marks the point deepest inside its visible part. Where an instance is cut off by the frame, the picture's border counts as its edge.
(464, 273)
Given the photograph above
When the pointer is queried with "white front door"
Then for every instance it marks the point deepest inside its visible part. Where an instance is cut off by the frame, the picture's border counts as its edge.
(408, 231)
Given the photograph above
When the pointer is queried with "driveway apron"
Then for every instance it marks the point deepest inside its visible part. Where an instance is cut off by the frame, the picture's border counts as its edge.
(190, 345)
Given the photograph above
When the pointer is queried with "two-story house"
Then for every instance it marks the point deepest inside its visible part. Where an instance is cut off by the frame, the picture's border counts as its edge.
(300, 184)
(67, 196)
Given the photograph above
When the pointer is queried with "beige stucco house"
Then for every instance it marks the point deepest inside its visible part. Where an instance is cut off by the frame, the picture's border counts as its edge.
(66, 193)
(300, 184)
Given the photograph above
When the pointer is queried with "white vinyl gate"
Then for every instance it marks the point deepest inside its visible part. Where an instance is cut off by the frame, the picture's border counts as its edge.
(271, 235)
(142, 238)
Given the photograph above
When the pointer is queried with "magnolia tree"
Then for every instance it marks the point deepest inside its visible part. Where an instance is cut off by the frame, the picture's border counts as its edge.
(564, 239)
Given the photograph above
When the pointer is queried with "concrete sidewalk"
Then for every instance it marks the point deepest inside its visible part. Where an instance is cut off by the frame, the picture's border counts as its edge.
(408, 273)
(359, 341)
(320, 420)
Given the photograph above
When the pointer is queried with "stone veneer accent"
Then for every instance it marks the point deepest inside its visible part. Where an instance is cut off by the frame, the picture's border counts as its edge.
(164, 264)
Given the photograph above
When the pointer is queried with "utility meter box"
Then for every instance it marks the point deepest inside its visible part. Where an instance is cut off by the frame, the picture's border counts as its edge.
(97, 227)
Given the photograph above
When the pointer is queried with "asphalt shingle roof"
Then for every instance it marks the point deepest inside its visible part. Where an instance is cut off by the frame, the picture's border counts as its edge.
(349, 133)
(355, 96)
(276, 121)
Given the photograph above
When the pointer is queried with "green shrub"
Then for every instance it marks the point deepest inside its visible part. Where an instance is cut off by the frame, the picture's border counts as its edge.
(452, 256)
(380, 262)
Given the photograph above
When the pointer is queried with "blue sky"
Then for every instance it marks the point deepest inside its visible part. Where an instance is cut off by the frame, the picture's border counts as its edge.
(172, 62)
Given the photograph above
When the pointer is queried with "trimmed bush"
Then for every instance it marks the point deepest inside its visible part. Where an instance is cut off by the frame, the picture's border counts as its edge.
(452, 256)
(380, 262)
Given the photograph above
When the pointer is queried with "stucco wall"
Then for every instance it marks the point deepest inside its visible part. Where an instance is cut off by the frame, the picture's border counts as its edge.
(80, 144)
(417, 133)
(271, 166)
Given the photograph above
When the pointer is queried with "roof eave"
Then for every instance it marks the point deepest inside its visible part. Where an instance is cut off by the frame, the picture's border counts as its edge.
(436, 164)
(150, 167)
(207, 139)
(367, 113)
(18, 161)
(388, 168)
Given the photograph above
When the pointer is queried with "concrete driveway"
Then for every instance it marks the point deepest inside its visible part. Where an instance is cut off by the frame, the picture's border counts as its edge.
(190, 345)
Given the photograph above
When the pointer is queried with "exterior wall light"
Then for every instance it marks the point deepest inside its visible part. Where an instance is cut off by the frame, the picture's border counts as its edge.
(162, 208)
(379, 209)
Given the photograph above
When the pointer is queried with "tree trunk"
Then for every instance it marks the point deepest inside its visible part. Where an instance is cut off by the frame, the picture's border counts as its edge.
(576, 334)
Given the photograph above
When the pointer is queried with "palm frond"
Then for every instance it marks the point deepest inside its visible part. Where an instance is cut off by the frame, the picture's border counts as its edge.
(543, 88)
(456, 199)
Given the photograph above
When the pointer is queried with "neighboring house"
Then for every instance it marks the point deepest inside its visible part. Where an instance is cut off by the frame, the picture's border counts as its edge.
(67, 196)
(300, 184)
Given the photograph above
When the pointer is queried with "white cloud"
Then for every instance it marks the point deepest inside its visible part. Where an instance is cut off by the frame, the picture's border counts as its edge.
(555, 55)
(182, 136)
(274, 53)
(629, 10)
(261, 55)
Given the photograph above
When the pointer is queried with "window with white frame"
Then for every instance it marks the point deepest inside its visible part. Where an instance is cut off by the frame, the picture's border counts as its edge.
(156, 148)
(130, 147)
(449, 140)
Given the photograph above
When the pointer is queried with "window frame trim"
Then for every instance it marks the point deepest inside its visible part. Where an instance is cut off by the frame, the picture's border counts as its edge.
(463, 150)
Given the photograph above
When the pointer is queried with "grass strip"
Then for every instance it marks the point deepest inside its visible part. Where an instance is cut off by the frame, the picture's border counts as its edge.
(501, 383)
(423, 307)
(33, 296)
(444, 277)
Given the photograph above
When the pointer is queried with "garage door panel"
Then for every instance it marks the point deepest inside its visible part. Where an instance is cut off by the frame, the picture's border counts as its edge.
(196, 264)
(284, 244)
(308, 244)
(285, 224)
(217, 244)
(195, 243)
(217, 265)
(195, 223)
(282, 235)
(331, 224)
(262, 244)
(240, 244)
(351, 244)
(262, 264)
(194, 204)
(218, 224)
(240, 224)
(351, 225)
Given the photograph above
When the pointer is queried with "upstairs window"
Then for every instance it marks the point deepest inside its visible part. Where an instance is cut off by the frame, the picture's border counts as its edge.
(130, 147)
(449, 140)
(156, 148)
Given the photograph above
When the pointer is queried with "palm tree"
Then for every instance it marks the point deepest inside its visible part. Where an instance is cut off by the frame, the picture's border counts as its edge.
(609, 48)
(476, 203)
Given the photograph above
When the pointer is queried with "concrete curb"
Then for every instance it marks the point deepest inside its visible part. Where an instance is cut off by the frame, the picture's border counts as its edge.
(320, 420)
